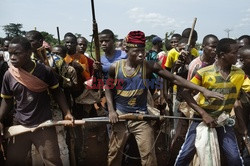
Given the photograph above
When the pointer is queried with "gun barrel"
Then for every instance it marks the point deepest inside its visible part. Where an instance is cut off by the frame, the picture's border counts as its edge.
(95, 33)
(93, 10)
(132, 116)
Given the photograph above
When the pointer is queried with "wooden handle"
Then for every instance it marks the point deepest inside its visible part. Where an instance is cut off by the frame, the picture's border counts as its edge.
(191, 32)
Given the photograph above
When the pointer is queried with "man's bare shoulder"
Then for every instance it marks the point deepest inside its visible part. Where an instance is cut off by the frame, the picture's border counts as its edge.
(113, 67)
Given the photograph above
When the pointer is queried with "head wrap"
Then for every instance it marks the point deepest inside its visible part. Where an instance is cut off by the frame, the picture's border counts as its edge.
(156, 40)
(135, 39)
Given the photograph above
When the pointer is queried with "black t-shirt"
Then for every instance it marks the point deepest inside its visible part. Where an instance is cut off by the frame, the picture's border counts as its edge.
(3, 69)
(32, 108)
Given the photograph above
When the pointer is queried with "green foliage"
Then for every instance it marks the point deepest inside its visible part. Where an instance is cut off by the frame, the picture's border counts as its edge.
(49, 38)
(78, 35)
(1, 43)
(198, 46)
(167, 39)
(168, 35)
(116, 37)
(13, 30)
(91, 51)
(149, 42)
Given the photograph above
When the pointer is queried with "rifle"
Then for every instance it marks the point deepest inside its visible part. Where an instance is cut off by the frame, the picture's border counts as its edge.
(97, 46)
(95, 33)
(20, 129)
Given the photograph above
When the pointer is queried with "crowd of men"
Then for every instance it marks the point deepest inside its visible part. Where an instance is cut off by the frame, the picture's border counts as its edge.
(210, 83)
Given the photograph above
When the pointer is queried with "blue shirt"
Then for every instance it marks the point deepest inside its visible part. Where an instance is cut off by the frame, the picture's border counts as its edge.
(107, 61)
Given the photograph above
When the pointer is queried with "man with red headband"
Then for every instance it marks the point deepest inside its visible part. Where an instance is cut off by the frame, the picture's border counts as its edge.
(129, 95)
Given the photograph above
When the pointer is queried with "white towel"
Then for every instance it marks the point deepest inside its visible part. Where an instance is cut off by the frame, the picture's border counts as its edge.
(207, 146)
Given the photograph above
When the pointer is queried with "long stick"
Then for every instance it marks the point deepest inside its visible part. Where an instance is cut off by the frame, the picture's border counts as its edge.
(191, 34)
(187, 47)
(58, 35)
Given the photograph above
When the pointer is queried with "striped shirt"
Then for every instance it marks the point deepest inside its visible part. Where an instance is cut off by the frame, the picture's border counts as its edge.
(210, 78)
(195, 65)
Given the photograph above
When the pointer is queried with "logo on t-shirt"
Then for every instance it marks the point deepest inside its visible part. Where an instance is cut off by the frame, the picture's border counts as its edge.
(210, 79)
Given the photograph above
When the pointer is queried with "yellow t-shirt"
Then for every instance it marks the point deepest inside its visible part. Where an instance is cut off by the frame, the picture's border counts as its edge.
(210, 78)
(173, 56)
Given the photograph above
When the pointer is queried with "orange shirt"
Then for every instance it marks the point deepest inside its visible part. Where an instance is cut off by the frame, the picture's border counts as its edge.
(83, 60)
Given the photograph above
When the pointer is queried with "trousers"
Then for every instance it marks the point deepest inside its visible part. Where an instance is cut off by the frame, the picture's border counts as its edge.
(144, 136)
(45, 141)
(227, 142)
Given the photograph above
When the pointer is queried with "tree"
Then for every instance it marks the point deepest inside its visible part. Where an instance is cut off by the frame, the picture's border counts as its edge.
(13, 30)
(78, 35)
(149, 42)
(168, 35)
(49, 38)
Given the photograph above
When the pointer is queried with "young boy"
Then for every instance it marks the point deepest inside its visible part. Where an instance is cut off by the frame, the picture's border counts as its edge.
(66, 74)
(39, 52)
(82, 44)
(242, 105)
(227, 79)
(77, 60)
(175, 38)
(243, 40)
(111, 55)
(6, 55)
(178, 62)
(129, 95)
(209, 44)
(3, 69)
(26, 83)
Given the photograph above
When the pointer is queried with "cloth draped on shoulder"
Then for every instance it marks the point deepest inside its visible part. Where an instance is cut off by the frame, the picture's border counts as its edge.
(30, 81)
